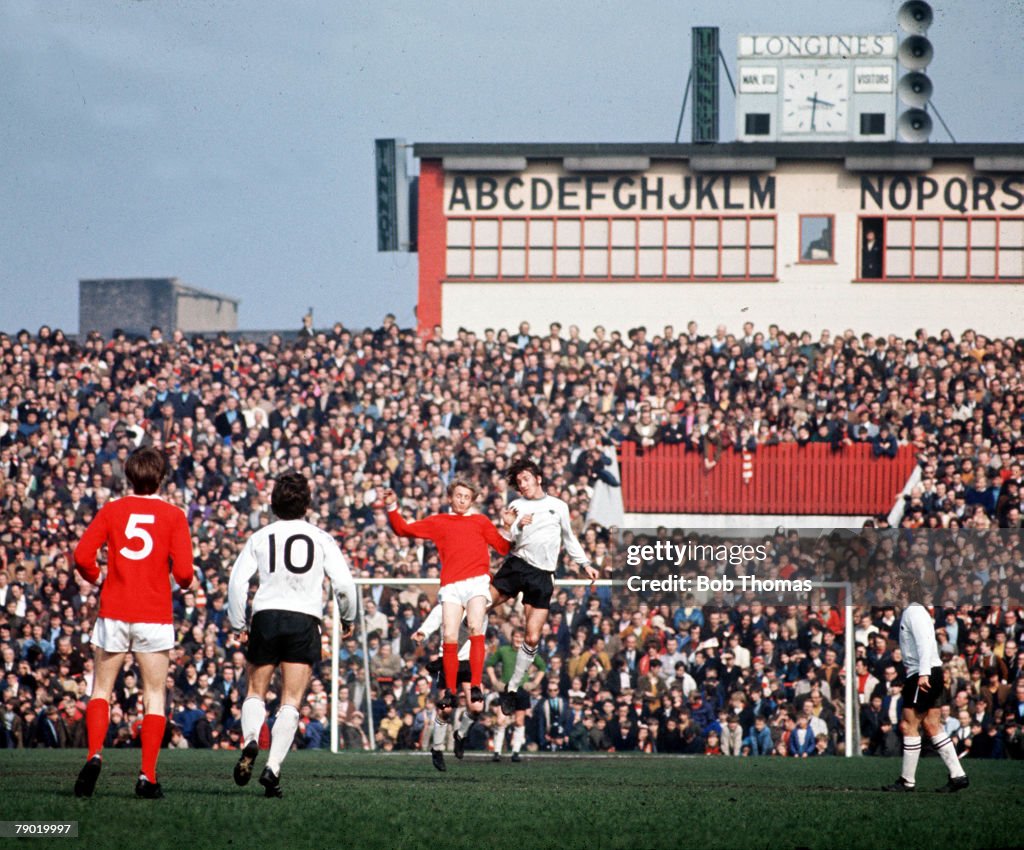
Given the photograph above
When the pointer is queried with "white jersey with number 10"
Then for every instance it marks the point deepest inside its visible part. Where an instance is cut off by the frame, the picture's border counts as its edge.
(291, 557)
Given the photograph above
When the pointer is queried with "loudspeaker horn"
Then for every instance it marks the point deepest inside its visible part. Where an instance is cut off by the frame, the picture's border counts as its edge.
(915, 89)
(915, 16)
(916, 53)
(914, 125)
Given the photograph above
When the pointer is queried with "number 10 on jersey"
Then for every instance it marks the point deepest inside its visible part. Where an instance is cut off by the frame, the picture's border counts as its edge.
(290, 562)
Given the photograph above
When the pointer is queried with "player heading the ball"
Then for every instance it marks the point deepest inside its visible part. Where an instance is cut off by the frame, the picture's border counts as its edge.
(540, 528)
(462, 539)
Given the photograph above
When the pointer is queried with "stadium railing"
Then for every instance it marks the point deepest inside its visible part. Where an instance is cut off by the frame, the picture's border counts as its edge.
(783, 480)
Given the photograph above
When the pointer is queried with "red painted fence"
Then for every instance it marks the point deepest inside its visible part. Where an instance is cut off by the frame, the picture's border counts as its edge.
(787, 479)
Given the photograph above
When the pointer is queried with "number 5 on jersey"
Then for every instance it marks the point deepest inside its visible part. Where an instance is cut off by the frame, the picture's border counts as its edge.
(134, 531)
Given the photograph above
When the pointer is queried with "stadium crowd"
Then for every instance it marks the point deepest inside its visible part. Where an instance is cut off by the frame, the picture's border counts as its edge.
(363, 411)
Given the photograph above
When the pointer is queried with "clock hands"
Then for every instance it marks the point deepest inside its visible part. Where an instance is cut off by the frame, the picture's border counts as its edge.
(815, 100)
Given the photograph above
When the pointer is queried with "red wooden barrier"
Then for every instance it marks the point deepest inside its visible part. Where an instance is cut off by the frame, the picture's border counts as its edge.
(787, 479)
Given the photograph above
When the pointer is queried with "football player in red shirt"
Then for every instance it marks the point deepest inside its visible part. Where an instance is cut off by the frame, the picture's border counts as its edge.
(147, 540)
(462, 540)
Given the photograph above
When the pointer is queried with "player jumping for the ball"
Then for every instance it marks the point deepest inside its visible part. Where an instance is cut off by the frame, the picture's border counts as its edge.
(462, 539)
(539, 530)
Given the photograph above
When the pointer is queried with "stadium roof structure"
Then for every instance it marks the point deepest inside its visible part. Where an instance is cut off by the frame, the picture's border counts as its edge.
(744, 156)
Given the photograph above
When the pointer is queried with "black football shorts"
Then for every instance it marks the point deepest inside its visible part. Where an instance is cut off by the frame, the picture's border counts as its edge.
(515, 576)
(276, 636)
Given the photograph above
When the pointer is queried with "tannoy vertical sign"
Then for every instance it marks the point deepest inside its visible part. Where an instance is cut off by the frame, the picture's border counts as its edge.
(705, 84)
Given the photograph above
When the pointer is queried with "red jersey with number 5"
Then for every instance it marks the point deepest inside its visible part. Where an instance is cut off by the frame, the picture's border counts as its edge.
(147, 539)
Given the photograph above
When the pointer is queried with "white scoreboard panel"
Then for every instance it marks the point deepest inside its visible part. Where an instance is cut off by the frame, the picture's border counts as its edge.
(827, 88)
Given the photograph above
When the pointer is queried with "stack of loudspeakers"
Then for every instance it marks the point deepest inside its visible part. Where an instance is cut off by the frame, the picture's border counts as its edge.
(915, 55)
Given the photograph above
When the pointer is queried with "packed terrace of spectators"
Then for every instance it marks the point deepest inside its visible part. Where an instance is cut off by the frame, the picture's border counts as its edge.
(360, 411)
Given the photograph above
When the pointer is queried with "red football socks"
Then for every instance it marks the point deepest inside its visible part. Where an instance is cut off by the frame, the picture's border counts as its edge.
(97, 720)
(451, 665)
(477, 651)
(153, 726)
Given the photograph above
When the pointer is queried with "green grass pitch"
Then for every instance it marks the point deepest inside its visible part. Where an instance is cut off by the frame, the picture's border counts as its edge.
(365, 801)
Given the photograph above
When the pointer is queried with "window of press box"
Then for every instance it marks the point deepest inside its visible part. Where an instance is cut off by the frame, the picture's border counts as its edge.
(738, 247)
(816, 242)
(951, 248)
(758, 123)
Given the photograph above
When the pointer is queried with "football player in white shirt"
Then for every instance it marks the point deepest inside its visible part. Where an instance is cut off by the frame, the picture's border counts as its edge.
(921, 692)
(474, 696)
(540, 529)
(291, 556)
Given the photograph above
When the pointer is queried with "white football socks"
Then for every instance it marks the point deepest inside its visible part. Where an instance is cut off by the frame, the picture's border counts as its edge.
(465, 723)
(254, 712)
(524, 658)
(439, 733)
(282, 736)
(518, 738)
(947, 752)
(911, 754)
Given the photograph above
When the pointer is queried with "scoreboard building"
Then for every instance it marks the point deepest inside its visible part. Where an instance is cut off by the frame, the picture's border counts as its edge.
(811, 234)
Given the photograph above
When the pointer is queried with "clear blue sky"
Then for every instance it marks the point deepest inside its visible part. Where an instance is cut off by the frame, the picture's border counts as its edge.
(230, 144)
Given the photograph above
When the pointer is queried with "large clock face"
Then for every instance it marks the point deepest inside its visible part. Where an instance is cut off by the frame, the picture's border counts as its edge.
(816, 100)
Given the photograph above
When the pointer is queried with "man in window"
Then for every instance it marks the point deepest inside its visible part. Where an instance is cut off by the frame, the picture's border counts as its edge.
(871, 256)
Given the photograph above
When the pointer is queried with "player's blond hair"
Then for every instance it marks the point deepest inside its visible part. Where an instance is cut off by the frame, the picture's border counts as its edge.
(463, 482)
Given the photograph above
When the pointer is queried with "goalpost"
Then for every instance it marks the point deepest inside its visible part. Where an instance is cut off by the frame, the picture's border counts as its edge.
(398, 582)
(851, 707)
(850, 697)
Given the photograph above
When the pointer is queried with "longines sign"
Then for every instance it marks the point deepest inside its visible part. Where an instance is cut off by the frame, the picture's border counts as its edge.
(816, 46)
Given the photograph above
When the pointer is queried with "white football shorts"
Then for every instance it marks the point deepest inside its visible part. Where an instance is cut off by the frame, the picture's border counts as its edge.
(463, 591)
(119, 636)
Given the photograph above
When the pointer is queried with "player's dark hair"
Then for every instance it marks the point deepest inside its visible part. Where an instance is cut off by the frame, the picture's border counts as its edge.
(913, 587)
(290, 497)
(522, 464)
(145, 470)
(463, 482)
